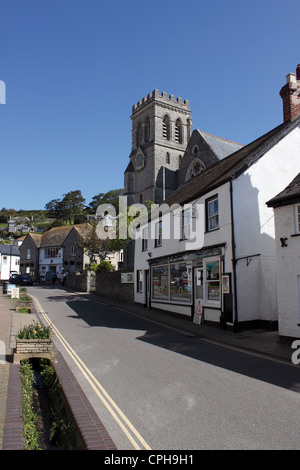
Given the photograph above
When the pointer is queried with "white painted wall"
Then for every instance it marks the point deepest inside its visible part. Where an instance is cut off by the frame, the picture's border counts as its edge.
(11, 263)
(202, 239)
(254, 227)
(288, 272)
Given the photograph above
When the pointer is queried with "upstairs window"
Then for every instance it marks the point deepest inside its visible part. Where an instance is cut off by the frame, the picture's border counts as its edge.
(167, 158)
(186, 224)
(212, 213)
(166, 128)
(52, 252)
(158, 234)
(298, 218)
(145, 239)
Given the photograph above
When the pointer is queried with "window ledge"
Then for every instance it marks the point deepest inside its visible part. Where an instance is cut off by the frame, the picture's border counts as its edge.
(213, 230)
(295, 235)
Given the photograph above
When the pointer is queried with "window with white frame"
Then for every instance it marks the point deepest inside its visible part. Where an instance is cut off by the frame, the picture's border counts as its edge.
(72, 250)
(185, 223)
(52, 252)
(145, 239)
(158, 234)
(297, 217)
(28, 253)
(212, 280)
(139, 280)
(212, 213)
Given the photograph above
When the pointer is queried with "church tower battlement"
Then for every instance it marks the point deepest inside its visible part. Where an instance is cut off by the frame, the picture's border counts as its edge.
(163, 98)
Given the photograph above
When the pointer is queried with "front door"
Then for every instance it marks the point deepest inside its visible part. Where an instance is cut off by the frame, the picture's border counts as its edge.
(198, 295)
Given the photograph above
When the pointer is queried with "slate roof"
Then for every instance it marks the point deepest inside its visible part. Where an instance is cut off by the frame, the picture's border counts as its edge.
(57, 235)
(8, 249)
(221, 147)
(289, 195)
(36, 237)
(231, 166)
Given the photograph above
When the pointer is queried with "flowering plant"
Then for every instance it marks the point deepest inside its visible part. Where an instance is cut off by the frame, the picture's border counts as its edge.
(34, 331)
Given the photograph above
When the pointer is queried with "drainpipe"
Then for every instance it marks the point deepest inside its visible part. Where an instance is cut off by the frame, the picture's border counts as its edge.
(234, 261)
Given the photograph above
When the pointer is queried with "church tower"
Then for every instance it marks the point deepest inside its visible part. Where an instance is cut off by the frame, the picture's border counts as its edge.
(161, 128)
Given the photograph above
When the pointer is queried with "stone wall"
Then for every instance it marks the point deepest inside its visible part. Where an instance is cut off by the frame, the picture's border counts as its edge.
(110, 285)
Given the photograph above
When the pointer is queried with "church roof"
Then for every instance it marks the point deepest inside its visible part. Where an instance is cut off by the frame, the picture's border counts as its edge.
(231, 166)
(129, 168)
(221, 147)
(289, 195)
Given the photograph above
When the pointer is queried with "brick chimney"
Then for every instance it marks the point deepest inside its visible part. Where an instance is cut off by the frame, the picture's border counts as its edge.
(290, 95)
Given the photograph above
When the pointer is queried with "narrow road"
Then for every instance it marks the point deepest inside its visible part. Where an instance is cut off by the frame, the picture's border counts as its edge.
(160, 389)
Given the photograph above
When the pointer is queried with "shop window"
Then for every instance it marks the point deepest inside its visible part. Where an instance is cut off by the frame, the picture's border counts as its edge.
(181, 283)
(160, 283)
(172, 283)
(212, 280)
(212, 213)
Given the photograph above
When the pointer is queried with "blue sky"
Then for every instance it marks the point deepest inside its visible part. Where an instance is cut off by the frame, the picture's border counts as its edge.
(74, 68)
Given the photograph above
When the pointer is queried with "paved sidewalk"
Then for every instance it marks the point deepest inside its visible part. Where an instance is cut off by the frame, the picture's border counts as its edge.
(257, 341)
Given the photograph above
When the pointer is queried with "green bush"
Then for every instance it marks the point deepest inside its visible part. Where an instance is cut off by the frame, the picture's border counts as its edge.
(30, 431)
(105, 266)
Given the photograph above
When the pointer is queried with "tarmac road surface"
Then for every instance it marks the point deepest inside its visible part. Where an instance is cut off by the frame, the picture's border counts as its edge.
(162, 389)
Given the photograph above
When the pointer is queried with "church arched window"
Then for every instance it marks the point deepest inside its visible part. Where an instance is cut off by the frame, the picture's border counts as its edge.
(195, 168)
(147, 129)
(139, 134)
(166, 127)
(178, 131)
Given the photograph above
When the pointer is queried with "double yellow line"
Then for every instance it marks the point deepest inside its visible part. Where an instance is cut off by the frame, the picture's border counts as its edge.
(127, 427)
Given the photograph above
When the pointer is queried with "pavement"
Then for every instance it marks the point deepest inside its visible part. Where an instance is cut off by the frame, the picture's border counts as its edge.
(257, 341)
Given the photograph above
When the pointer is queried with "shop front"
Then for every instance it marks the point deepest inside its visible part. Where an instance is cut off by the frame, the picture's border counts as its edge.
(190, 284)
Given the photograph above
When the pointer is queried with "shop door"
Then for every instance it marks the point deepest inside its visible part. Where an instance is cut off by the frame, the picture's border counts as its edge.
(198, 295)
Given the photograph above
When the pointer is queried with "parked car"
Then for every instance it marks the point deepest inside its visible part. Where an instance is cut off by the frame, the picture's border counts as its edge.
(21, 280)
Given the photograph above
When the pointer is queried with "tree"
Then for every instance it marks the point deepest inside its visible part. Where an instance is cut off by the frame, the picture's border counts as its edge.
(111, 197)
(93, 245)
(67, 208)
